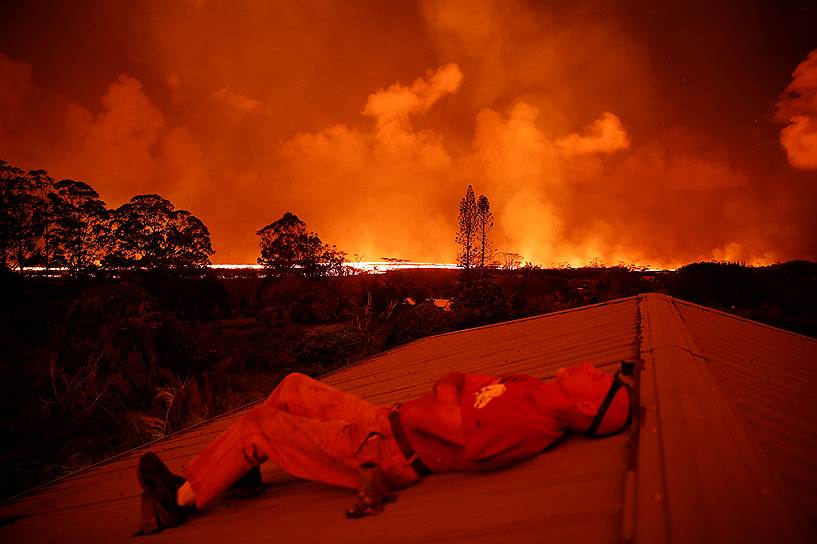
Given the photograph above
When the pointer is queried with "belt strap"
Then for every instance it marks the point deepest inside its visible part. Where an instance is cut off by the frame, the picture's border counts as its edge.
(403, 443)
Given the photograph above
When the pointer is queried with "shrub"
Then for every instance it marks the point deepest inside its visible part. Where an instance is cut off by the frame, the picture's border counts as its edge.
(481, 303)
(418, 322)
(326, 348)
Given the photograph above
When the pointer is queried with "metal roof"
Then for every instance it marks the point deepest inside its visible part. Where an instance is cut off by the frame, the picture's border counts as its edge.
(711, 462)
(769, 376)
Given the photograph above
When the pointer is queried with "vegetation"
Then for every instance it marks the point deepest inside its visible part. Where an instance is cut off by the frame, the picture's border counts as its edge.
(66, 224)
(80, 235)
(485, 222)
(473, 233)
(467, 232)
(148, 233)
(287, 249)
(23, 215)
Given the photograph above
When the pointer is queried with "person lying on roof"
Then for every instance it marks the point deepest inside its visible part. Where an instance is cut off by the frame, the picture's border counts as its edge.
(468, 422)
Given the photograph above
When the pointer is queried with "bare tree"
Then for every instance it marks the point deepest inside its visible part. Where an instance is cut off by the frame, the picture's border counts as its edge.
(511, 261)
(468, 230)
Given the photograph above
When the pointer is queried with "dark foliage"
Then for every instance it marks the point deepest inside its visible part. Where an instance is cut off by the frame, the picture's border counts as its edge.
(418, 322)
(149, 233)
(24, 216)
(80, 236)
(481, 303)
(66, 224)
(784, 295)
(298, 300)
(325, 348)
(716, 284)
(287, 249)
(190, 294)
(468, 231)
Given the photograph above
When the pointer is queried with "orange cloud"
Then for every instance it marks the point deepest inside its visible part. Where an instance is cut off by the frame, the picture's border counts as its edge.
(239, 101)
(391, 107)
(604, 135)
(16, 77)
(797, 107)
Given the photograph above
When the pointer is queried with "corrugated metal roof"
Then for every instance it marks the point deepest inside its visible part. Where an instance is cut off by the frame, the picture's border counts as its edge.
(726, 438)
(702, 477)
(769, 375)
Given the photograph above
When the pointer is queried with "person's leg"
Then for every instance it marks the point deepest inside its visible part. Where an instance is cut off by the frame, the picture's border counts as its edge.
(306, 428)
(300, 395)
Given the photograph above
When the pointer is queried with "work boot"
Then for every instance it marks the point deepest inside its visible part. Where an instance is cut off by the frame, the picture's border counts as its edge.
(159, 489)
(249, 485)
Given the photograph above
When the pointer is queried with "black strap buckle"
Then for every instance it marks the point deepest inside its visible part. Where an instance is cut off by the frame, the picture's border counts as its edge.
(627, 369)
(403, 443)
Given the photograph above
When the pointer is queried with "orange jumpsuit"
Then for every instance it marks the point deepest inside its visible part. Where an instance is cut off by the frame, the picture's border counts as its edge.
(313, 431)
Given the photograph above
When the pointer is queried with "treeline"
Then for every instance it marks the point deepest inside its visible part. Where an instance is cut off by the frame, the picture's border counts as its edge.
(65, 223)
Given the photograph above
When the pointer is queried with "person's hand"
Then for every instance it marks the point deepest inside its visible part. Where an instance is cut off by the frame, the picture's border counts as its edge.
(371, 493)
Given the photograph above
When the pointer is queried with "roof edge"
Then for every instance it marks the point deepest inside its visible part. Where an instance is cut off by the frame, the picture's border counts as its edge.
(741, 318)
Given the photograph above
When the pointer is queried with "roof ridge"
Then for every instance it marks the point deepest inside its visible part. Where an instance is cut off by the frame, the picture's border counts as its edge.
(728, 463)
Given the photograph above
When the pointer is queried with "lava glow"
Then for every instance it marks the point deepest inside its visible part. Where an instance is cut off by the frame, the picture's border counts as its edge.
(374, 267)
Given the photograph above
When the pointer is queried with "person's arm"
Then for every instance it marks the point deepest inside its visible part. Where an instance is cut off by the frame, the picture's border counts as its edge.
(449, 387)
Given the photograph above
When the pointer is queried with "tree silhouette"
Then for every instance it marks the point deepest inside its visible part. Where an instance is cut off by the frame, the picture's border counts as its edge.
(80, 233)
(43, 186)
(23, 214)
(511, 261)
(287, 249)
(148, 232)
(467, 232)
(485, 222)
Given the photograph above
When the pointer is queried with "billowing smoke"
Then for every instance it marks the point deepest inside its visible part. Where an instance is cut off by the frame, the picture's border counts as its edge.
(605, 135)
(797, 108)
(391, 107)
(369, 121)
(382, 191)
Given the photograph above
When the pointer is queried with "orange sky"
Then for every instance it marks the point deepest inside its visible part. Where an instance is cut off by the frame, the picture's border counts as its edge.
(657, 134)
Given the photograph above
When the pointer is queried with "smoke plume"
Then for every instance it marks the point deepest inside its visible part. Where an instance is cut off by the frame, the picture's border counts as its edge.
(797, 108)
